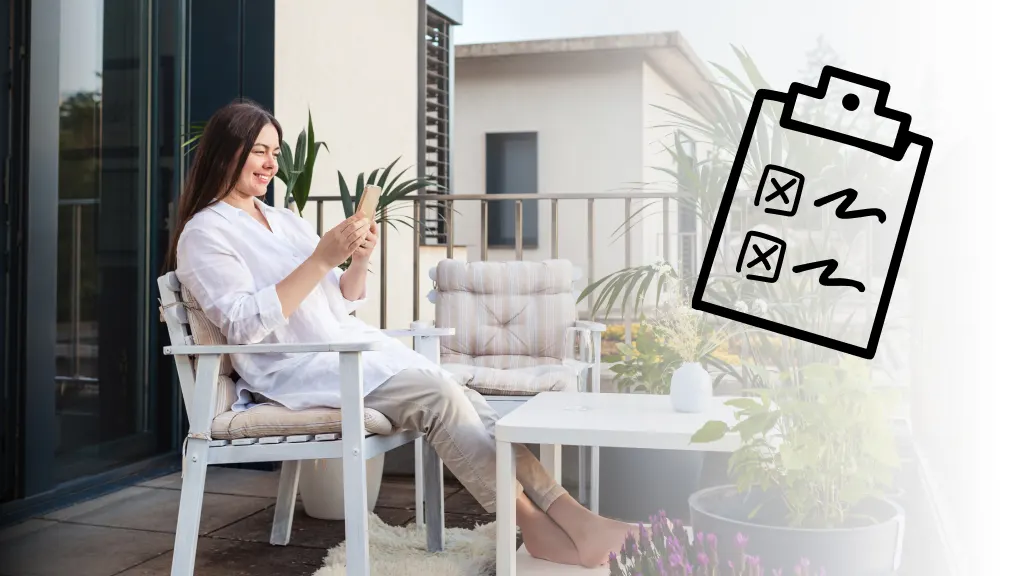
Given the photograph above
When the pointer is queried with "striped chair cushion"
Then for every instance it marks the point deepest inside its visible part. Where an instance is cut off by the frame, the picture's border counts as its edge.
(275, 420)
(265, 419)
(508, 317)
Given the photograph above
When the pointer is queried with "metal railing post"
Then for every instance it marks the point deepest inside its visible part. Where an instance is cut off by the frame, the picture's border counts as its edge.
(627, 316)
(450, 227)
(483, 229)
(415, 262)
(519, 229)
(554, 229)
(383, 234)
(591, 251)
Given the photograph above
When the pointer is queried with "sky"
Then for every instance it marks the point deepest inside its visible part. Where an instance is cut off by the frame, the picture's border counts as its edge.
(883, 39)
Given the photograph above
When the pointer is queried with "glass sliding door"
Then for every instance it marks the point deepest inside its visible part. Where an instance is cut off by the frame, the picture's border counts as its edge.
(103, 412)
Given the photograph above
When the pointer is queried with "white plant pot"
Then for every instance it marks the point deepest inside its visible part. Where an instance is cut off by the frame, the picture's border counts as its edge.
(322, 486)
(691, 388)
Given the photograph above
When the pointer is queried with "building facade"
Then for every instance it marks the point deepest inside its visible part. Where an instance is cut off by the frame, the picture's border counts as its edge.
(100, 94)
(582, 117)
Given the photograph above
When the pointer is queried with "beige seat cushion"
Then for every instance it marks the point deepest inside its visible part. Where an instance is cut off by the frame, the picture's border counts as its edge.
(514, 381)
(276, 420)
(507, 316)
(263, 420)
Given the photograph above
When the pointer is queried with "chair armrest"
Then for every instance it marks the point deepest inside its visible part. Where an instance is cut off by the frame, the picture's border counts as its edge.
(592, 326)
(355, 346)
(424, 332)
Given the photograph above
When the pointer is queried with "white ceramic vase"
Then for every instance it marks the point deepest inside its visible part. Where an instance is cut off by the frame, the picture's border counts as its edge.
(691, 388)
(322, 486)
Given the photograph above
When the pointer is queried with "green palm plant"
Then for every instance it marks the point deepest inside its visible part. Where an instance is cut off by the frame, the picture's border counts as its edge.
(392, 188)
(296, 170)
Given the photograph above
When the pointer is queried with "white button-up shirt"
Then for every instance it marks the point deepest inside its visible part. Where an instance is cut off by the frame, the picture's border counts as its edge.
(231, 264)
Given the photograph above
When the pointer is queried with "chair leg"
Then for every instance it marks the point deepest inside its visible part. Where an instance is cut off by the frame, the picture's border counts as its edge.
(551, 459)
(190, 508)
(418, 479)
(433, 485)
(284, 511)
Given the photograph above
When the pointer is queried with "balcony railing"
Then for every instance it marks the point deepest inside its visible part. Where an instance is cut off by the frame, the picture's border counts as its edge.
(684, 260)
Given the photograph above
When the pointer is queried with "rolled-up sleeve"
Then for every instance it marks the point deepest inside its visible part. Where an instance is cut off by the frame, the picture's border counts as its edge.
(224, 287)
(350, 305)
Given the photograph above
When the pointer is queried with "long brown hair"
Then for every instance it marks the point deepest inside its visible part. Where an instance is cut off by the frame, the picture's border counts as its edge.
(227, 139)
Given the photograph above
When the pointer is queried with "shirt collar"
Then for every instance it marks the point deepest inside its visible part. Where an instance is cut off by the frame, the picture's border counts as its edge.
(228, 211)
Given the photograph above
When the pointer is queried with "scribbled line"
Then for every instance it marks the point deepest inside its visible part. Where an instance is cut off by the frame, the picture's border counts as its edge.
(843, 211)
(826, 278)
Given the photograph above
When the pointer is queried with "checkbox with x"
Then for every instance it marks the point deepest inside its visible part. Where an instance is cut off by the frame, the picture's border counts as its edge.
(761, 257)
(779, 191)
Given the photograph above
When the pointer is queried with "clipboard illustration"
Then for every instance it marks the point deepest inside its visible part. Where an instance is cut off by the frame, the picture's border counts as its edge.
(831, 216)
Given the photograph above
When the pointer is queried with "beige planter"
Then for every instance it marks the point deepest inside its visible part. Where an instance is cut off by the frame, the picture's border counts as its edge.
(322, 486)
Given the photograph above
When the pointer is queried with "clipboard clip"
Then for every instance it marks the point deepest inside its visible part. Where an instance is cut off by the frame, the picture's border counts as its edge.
(862, 101)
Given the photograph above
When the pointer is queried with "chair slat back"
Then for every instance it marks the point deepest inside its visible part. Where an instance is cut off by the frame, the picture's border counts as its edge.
(172, 311)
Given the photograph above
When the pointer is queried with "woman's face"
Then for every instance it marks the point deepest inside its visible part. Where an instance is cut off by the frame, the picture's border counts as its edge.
(261, 164)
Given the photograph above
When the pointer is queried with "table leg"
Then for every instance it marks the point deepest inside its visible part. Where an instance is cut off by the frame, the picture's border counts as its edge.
(506, 512)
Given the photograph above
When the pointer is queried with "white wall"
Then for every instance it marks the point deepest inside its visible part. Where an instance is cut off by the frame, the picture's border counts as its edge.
(658, 134)
(353, 64)
(587, 111)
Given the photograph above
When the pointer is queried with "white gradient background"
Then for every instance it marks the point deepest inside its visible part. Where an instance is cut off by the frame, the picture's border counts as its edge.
(957, 68)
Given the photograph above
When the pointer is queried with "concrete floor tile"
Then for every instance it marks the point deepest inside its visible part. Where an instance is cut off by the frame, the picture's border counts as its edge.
(400, 492)
(221, 480)
(26, 527)
(217, 557)
(156, 510)
(63, 549)
(306, 531)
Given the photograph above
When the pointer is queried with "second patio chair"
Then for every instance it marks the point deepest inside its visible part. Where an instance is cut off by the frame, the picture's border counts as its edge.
(510, 320)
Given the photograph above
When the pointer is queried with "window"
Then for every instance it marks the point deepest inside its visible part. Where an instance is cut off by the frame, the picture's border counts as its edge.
(435, 120)
(511, 169)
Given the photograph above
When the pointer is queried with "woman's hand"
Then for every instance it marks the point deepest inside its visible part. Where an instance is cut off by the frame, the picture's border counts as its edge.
(365, 250)
(342, 241)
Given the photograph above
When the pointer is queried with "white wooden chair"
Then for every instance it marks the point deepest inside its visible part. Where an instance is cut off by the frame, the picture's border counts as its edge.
(216, 437)
(511, 317)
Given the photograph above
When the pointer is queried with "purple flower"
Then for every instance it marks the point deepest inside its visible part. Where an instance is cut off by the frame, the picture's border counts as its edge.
(675, 560)
(688, 568)
(741, 540)
(700, 538)
(702, 559)
(712, 541)
(753, 561)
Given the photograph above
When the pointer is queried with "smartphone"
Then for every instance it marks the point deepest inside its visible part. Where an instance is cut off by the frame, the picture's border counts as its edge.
(368, 202)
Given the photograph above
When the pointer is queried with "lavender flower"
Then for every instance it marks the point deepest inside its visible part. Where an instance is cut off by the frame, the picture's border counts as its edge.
(741, 540)
(702, 559)
(712, 541)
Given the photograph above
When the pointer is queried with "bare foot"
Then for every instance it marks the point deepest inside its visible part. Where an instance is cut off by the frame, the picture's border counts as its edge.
(602, 537)
(543, 538)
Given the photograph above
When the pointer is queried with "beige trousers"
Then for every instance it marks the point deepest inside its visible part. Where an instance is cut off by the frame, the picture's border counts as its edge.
(459, 424)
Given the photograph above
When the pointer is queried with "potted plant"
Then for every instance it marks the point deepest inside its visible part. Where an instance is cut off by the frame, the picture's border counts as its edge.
(817, 454)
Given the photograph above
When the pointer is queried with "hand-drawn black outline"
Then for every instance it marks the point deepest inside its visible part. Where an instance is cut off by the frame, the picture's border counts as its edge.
(843, 211)
(904, 138)
(797, 177)
(830, 265)
(762, 256)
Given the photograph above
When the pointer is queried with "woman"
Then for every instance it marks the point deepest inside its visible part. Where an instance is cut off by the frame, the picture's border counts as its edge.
(261, 274)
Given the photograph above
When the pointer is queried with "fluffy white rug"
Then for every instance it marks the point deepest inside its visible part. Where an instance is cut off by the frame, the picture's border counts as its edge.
(402, 551)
